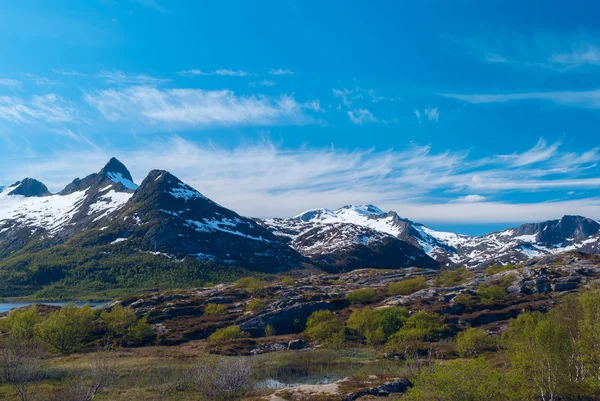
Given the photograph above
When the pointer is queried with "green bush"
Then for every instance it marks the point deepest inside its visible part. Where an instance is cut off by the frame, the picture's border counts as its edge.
(377, 325)
(215, 310)
(20, 323)
(473, 342)
(139, 333)
(363, 296)
(256, 305)
(407, 286)
(226, 334)
(473, 380)
(66, 329)
(287, 280)
(325, 327)
(465, 299)
(117, 321)
(269, 330)
(421, 326)
(495, 269)
(491, 293)
(253, 285)
(451, 278)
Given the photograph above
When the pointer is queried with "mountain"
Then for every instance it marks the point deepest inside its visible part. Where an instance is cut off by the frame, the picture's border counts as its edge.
(320, 233)
(349, 238)
(109, 232)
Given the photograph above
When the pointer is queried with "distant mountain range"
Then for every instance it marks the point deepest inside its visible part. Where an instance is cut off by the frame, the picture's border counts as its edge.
(105, 222)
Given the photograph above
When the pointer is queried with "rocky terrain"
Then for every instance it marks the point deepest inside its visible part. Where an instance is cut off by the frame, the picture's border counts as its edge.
(179, 315)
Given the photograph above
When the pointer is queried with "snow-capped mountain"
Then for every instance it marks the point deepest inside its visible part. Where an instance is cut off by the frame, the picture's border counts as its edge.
(318, 232)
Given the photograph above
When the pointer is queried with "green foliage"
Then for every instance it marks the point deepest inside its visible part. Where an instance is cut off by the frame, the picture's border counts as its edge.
(66, 329)
(363, 296)
(215, 310)
(465, 299)
(252, 285)
(408, 286)
(449, 278)
(256, 305)
(325, 327)
(421, 326)
(269, 330)
(287, 280)
(139, 333)
(490, 293)
(495, 269)
(226, 334)
(377, 325)
(473, 342)
(473, 380)
(20, 323)
(121, 324)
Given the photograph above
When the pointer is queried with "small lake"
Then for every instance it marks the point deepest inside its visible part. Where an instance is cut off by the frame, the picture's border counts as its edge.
(5, 307)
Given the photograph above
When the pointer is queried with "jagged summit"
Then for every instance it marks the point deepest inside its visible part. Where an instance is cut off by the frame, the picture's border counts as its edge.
(113, 172)
(28, 187)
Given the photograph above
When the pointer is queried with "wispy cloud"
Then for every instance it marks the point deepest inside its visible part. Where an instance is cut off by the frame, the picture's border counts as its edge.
(585, 99)
(116, 77)
(220, 72)
(146, 107)
(38, 80)
(432, 113)
(40, 108)
(418, 114)
(69, 73)
(417, 182)
(12, 83)
(280, 71)
(264, 82)
(589, 55)
(361, 116)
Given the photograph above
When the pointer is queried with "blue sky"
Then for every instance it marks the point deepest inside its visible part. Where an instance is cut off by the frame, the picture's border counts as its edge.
(464, 115)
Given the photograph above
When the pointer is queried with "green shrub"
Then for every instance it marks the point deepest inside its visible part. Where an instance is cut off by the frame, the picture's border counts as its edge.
(20, 323)
(363, 296)
(117, 321)
(256, 305)
(253, 285)
(465, 299)
(421, 326)
(377, 325)
(473, 380)
(495, 269)
(215, 310)
(139, 333)
(269, 330)
(66, 329)
(491, 293)
(472, 342)
(226, 334)
(325, 327)
(287, 280)
(450, 278)
(408, 286)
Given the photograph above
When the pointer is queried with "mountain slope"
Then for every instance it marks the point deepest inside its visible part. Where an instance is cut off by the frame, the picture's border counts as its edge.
(508, 246)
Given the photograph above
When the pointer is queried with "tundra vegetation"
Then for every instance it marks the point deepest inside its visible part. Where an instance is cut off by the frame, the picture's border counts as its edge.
(239, 339)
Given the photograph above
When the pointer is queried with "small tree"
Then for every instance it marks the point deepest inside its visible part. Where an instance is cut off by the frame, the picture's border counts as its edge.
(225, 334)
(324, 326)
(472, 342)
(65, 330)
(21, 366)
(20, 323)
(363, 296)
(222, 379)
(408, 286)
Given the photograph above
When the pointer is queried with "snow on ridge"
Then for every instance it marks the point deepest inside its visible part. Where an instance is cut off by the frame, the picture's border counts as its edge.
(185, 192)
(118, 178)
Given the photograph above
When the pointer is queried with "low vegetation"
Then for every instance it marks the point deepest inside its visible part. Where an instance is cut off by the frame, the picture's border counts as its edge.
(407, 286)
(363, 296)
(449, 278)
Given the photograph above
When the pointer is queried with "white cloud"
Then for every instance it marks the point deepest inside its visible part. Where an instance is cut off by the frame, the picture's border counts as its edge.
(264, 82)
(69, 73)
(410, 181)
(144, 107)
(117, 77)
(314, 105)
(584, 99)
(432, 114)
(36, 79)
(418, 114)
(221, 72)
(471, 198)
(279, 71)
(48, 108)
(361, 116)
(12, 83)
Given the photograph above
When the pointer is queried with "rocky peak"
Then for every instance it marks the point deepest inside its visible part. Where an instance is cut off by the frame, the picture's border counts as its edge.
(114, 168)
(29, 187)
